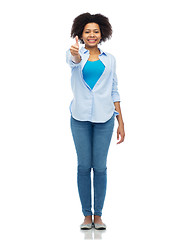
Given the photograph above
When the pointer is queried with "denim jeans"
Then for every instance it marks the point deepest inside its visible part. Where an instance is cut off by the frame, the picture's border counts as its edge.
(92, 141)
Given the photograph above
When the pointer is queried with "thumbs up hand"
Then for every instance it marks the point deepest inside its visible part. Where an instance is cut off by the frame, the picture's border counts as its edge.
(74, 49)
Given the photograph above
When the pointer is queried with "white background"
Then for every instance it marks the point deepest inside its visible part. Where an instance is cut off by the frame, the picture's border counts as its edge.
(147, 174)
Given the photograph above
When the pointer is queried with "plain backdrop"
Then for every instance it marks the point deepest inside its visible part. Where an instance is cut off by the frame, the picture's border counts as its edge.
(147, 174)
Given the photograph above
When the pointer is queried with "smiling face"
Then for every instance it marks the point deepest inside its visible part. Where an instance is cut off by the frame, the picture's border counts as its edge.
(91, 35)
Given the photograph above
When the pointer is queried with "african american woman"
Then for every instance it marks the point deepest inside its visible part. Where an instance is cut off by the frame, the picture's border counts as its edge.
(95, 105)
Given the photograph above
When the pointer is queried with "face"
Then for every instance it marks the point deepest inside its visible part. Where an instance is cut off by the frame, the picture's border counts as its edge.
(91, 35)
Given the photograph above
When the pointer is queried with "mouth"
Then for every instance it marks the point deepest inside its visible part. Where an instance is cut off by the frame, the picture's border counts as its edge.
(92, 40)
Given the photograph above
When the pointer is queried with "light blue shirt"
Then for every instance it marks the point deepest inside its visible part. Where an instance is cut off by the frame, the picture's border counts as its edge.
(97, 104)
(92, 72)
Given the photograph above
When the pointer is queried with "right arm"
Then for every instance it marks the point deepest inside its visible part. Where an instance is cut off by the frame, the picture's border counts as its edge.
(74, 49)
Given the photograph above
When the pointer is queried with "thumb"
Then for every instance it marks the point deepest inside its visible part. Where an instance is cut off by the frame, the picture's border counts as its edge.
(76, 38)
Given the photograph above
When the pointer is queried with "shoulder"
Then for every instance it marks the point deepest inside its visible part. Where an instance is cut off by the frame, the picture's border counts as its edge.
(110, 55)
(111, 58)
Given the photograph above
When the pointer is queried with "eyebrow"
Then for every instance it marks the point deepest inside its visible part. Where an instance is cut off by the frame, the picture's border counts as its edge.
(91, 29)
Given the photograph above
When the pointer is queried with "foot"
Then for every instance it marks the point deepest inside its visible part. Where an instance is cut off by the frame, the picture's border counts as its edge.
(87, 224)
(97, 219)
(87, 220)
(98, 224)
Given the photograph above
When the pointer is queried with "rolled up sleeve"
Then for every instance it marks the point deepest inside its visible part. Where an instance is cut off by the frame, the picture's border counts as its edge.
(115, 93)
(69, 60)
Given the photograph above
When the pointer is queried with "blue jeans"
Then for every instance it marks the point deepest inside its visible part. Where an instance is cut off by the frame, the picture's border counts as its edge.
(92, 141)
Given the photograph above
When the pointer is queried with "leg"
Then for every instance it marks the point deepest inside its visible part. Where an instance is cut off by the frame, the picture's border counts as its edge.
(102, 134)
(82, 136)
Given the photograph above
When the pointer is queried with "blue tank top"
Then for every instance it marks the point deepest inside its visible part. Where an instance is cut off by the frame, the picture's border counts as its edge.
(92, 72)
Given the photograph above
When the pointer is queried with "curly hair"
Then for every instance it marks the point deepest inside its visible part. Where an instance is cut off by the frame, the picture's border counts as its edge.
(85, 18)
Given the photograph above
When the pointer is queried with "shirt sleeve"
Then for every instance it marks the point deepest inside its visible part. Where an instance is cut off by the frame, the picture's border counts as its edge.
(115, 93)
(69, 60)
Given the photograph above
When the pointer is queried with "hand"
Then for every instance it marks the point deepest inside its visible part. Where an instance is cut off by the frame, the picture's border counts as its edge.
(121, 132)
(74, 49)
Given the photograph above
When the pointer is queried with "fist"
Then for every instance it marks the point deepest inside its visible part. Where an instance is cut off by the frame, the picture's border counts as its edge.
(74, 49)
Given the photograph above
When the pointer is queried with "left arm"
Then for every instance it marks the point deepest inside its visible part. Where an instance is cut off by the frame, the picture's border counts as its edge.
(120, 130)
(116, 101)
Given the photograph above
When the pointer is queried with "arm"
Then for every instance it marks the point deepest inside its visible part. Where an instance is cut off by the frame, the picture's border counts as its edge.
(120, 130)
(74, 49)
(118, 109)
(73, 57)
(116, 100)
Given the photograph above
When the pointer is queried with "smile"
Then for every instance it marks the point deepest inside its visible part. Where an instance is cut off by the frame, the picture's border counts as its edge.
(92, 40)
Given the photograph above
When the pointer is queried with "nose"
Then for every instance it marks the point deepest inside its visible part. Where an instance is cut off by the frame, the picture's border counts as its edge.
(91, 34)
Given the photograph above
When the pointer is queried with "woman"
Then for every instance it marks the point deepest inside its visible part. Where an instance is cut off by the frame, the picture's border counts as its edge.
(93, 109)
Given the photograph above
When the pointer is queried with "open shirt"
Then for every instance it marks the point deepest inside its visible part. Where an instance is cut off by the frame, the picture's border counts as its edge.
(97, 104)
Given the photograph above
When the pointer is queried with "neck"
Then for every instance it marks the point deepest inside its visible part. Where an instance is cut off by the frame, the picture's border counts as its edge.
(92, 50)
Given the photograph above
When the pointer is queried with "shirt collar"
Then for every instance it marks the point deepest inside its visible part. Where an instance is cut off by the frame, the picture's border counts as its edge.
(84, 50)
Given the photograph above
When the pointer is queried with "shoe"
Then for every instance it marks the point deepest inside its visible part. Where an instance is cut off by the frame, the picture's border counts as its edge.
(100, 226)
(86, 226)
